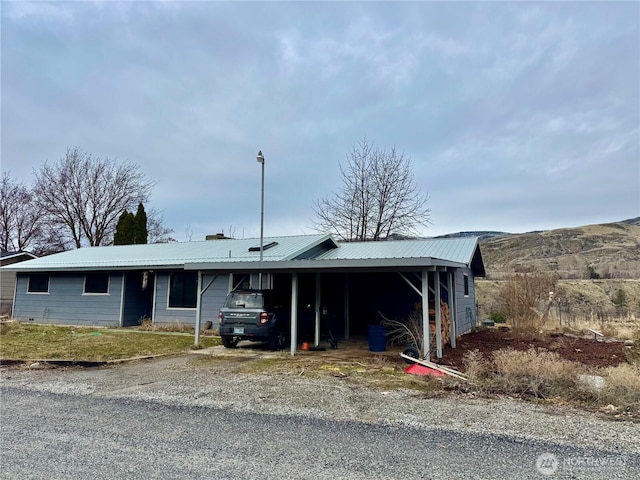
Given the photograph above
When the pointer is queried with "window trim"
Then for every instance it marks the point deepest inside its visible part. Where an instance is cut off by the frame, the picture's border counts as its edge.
(465, 280)
(38, 292)
(169, 307)
(84, 287)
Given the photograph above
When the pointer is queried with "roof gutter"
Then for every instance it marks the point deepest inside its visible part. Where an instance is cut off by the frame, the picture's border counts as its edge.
(391, 264)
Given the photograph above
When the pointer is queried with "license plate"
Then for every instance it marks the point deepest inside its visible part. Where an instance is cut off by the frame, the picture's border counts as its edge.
(238, 330)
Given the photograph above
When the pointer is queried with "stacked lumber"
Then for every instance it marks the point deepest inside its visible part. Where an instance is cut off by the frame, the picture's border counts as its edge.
(445, 323)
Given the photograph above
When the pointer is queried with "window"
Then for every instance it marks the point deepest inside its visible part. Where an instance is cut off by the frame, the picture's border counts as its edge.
(38, 283)
(244, 300)
(240, 281)
(466, 285)
(96, 283)
(183, 288)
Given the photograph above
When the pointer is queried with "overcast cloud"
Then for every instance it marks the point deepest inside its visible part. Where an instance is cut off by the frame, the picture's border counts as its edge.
(517, 116)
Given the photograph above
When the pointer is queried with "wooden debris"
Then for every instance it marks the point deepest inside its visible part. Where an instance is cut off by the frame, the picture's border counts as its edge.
(596, 334)
(449, 371)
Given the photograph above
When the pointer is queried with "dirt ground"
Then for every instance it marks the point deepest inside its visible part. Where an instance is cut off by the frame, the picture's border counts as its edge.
(584, 350)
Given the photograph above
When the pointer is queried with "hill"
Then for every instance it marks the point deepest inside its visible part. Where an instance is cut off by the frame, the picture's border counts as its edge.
(610, 250)
(596, 263)
(482, 235)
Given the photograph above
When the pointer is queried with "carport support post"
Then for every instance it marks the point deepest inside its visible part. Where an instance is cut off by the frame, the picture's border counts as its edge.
(316, 338)
(199, 294)
(426, 334)
(452, 308)
(346, 306)
(294, 312)
(438, 315)
(198, 309)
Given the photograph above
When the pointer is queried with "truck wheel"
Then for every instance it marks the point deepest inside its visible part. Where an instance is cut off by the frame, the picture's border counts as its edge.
(277, 342)
(229, 342)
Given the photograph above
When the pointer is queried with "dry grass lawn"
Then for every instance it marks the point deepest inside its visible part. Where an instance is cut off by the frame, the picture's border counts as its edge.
(52, 342)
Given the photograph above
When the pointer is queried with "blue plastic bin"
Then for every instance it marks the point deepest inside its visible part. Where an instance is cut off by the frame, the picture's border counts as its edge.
(377, 338)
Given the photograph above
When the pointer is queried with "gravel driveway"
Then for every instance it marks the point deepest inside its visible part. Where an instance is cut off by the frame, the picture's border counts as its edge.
(196, 380)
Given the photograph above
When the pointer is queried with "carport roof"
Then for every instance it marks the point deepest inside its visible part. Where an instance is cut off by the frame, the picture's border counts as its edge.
(458, 250)
(430, 252)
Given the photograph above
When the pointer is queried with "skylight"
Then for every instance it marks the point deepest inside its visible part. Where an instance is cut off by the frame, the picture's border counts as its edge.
(266, 246)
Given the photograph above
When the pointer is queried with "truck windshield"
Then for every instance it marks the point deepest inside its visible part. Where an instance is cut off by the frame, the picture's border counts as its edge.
(244, 300)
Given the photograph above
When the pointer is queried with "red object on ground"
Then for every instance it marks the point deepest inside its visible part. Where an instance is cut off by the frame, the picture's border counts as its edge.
(417, 369)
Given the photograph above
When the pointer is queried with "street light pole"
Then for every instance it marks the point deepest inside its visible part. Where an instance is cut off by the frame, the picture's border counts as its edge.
(260, 159)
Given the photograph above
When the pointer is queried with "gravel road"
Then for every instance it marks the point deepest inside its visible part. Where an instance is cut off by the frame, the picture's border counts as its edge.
(149, 405)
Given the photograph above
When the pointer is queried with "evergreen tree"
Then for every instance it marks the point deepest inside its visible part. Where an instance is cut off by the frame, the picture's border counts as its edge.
(125, 229)
(140, 232)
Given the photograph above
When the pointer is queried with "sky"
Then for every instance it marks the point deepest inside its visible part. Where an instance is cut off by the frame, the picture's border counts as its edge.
(517, 116)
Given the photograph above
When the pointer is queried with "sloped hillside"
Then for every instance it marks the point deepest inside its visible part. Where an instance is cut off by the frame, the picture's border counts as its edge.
(612, 250)
(583, 301)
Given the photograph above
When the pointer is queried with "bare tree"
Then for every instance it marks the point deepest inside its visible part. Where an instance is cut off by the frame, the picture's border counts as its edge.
(20, 217)
(526, 300)
(83, 196)
(188, 233)
(379, 197)
(157, 230)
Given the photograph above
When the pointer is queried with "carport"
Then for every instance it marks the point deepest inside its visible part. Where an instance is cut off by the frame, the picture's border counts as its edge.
(355, 281)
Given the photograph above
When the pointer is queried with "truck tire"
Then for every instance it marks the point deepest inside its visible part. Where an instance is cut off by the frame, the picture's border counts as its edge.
(229, 342)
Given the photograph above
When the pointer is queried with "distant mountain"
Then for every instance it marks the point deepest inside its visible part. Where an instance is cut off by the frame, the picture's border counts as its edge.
(611, 250)
(632, 221)
(482, 235)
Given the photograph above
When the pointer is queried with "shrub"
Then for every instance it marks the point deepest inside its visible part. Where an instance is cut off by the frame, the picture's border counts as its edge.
(146, 324)
(591, 273)
(633, 353)
(536, 373)
(498, 317)
(526, 299)
(543, 374)
(6, 326)
(477, 368)
(609, 329)
(622, 387)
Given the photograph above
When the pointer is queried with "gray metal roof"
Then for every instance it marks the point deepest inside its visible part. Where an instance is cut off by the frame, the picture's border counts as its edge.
(306, 252)
(174, 255)
(13, 255)
(459, 250)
